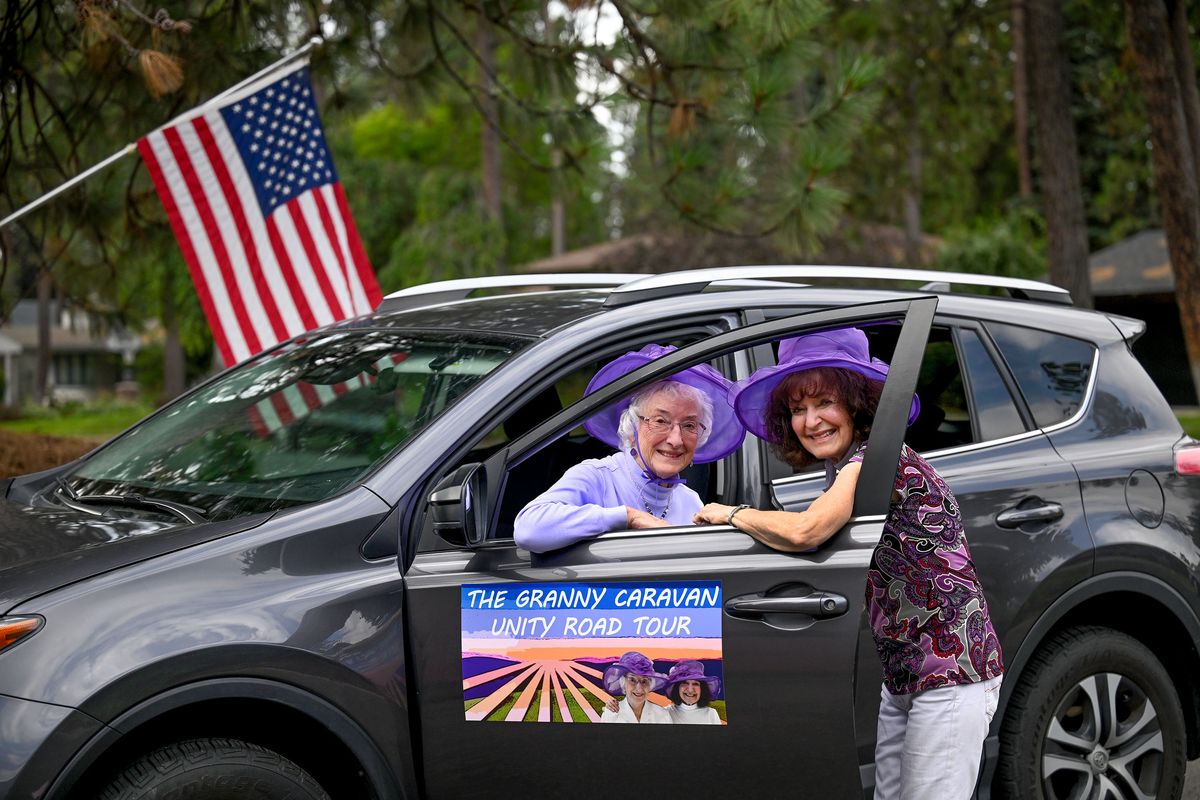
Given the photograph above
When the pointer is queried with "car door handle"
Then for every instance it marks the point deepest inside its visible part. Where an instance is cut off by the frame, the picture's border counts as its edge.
(1020, 515)
(818, 604)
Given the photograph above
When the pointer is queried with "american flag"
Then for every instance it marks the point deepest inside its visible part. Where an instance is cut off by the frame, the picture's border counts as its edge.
(261, 217)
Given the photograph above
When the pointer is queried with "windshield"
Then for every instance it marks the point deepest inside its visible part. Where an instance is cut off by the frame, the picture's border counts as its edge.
(295, 426)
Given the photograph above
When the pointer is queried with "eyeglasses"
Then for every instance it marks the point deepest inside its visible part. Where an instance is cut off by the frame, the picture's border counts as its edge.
(661, 425)
(637, 681)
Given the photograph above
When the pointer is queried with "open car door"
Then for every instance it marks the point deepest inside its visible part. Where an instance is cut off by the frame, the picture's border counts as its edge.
(509, 650)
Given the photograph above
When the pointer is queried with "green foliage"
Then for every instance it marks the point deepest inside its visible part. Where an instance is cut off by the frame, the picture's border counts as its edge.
(450, 237)
(1012, 246)
(760, 114)
(101, 419)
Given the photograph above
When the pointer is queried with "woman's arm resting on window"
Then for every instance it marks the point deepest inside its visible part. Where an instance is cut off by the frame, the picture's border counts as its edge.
(793, 531)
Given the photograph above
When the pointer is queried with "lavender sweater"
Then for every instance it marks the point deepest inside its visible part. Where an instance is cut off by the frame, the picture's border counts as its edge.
(590, 498)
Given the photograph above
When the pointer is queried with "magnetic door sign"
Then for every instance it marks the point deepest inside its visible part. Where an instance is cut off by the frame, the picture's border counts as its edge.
(593, 652)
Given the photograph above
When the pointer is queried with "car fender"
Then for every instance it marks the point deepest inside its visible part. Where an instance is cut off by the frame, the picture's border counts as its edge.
(1096, 586)
(375, 765)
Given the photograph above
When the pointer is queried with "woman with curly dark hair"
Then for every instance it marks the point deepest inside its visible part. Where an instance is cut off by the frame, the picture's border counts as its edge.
(941, 658)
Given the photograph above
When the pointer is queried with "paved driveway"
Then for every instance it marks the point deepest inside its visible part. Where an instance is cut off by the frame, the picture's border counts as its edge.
(1191, 787)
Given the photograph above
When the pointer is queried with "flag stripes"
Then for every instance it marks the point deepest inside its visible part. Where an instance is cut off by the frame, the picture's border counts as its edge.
(265, 229)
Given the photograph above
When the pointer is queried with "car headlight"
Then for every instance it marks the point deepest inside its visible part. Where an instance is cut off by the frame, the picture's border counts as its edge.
(14, 629)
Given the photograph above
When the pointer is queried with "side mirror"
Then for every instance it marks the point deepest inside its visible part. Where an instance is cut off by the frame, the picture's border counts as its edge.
(457, 506)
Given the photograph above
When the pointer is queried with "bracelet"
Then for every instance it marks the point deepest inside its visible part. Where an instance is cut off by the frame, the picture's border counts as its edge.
(736, 509)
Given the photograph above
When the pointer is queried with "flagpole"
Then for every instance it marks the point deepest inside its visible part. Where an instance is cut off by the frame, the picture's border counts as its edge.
(132, 146)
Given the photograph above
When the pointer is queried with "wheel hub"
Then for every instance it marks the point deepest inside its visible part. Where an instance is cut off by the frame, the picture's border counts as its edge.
(1103, 742)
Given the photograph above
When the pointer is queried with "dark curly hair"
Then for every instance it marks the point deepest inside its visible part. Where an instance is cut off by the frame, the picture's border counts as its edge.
(858, 393)
(705, 694)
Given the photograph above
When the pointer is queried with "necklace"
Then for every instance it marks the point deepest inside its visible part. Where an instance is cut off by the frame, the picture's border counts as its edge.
(646, 503)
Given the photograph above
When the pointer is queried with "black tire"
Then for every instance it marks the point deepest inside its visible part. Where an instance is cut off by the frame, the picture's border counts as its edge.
(213, 769)
(1095, 715)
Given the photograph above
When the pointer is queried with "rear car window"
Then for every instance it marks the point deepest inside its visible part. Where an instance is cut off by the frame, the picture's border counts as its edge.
(1051, 370)
(995, 412)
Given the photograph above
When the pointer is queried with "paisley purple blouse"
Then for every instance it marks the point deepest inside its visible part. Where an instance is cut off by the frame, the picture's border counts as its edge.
(927, 610)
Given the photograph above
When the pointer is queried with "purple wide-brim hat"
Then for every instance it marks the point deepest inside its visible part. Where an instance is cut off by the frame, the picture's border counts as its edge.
(844, 348)
(689, 670)
(632, 663)
(726, 433)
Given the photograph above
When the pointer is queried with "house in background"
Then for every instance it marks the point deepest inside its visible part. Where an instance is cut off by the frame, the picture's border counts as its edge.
(87, 358)
(1133, 277)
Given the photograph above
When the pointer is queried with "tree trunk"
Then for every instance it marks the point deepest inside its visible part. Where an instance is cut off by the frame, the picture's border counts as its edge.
(174, 375)
(1021, 102)
(485, 45)
(42, 377)
(558, 210)
(912, 193)
(1185, 72)
(558, 207)
(1146, 21)
(1058, 151)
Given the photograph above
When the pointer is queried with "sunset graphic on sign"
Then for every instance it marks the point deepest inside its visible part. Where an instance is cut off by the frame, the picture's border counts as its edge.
(538, 652)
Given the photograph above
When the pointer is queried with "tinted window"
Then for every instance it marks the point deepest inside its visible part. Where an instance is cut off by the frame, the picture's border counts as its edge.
(1051, 370)
(297, 425)
(995, 414)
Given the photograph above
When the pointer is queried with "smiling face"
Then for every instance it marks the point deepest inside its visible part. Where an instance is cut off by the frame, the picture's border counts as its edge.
(689, 692)
(637, 687)
(665, 447)
(821, 423)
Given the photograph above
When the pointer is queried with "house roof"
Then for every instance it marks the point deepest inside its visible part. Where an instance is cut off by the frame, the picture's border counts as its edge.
(866, 245)
(1137, 265)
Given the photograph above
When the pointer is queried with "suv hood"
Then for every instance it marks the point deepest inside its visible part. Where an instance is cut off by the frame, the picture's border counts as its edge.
(40, 547)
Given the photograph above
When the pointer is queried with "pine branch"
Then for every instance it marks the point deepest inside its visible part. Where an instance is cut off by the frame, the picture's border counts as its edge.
(483, 114)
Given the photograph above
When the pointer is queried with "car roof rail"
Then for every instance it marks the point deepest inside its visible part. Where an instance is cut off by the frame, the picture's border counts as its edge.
(674, 284)
(438, 292)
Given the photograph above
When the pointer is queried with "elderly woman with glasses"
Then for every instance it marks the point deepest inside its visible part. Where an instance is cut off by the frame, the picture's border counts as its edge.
(633, 675)
(658, 432)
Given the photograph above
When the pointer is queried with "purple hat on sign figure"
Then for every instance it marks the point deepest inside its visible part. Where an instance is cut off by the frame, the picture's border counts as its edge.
(689, 670)
(722, 437)
(632, 663)
(844, 348)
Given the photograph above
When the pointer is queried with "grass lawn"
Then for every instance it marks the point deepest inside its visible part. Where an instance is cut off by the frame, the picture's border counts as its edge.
(1190, 422)
(100, 421)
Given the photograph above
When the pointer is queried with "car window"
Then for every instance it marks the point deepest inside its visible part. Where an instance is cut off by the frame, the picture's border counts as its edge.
(297, 425)
(952, 415)
(537, 472)
(996, 414)
(1052, 370)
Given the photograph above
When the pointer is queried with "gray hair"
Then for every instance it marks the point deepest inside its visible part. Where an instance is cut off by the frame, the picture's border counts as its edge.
(630, 417)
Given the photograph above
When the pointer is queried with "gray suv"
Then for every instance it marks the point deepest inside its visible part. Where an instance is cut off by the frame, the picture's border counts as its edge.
(299, 579)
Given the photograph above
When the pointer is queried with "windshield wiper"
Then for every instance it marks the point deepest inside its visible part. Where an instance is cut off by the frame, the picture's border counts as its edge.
(70, 498)
(189, 514)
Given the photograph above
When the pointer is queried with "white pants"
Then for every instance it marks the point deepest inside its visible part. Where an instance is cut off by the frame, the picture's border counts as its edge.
(929, 743)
